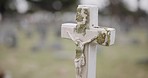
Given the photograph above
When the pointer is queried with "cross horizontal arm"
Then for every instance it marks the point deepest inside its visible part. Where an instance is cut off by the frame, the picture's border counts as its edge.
(102, 33)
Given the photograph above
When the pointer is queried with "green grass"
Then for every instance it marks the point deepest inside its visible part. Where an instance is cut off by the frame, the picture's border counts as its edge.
(118, 61)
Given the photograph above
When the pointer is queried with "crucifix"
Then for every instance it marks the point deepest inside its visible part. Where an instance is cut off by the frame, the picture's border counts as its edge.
(86, 35)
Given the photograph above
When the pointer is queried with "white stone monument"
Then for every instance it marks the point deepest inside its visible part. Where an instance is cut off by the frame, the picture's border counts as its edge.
(86, 34)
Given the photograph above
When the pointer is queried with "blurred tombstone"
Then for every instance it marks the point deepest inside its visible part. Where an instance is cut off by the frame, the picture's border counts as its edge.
(8, 34)
(26, 25)
(62, 17)
(41, 22)
(59, 18)
(0, 17)
(126, 24)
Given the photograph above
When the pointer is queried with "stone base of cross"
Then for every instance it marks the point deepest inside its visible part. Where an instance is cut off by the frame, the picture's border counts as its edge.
(86, 34)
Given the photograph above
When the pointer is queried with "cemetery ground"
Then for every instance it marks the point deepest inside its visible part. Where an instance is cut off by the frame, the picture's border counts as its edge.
(122, 60)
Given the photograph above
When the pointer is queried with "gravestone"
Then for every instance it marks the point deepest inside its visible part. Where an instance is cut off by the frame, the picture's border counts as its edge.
(86, 35)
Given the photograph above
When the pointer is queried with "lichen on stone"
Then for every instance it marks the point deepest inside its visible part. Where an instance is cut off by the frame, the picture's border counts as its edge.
(103, 38)
(79, 10)
(86, 11)
(82, 18)
(79, 52)
(81, 29)
(108, 38)
(87, 17)
(79, 17)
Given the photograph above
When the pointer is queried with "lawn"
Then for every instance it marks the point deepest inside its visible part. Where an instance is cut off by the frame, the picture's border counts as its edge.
(117, 61)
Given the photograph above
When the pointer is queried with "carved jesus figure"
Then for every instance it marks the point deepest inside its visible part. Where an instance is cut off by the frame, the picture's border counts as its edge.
(80, 57)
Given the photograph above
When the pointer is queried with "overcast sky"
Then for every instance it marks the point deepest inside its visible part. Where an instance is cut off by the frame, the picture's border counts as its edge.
(131, 5)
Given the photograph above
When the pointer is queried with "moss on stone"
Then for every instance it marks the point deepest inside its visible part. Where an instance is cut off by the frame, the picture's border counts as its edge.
(101, 38)
(79, 17)
(79, 10)
(108, 38)
(81, 28)
(86, 11)
(79, 52)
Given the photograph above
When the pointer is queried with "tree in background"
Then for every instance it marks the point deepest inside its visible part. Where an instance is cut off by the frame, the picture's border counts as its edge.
(53, 5)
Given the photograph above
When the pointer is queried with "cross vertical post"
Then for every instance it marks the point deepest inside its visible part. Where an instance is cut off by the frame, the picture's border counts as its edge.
(86, 34)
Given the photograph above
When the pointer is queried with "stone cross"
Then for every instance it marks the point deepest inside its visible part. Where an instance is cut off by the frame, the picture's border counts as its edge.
(86, 34)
